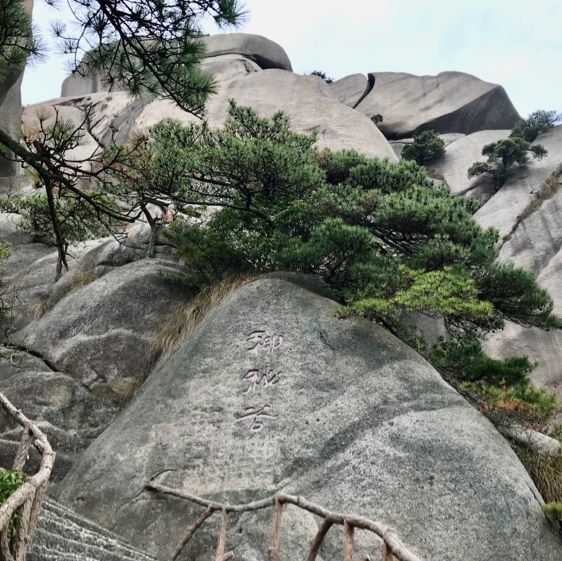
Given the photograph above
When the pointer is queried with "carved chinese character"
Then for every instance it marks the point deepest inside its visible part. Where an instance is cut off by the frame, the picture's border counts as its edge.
(260, 380)
(256, 416)
(263, 341)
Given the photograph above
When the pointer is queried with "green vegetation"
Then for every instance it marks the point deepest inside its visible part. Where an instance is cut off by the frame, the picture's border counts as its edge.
(427, 147)
(322, 75)
(516, 151)
(553, 509)
(75, 221)
(389, 241)
(504, 156)
(10, 481)
(16, 39)
(536, 123)
(154, 48)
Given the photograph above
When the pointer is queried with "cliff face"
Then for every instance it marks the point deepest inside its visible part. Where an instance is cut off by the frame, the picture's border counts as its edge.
(272, 392)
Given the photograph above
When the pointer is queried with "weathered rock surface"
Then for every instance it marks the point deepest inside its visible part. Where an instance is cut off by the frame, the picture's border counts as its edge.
(79, 84)
(100, 333)
(264, 52)
(274, 392)
(536, 245)
(232, 50)
(10, 115)
(10, 118)
(225, 67)
(448, 102)
(352, 89)
(305, 99)
(67, 412)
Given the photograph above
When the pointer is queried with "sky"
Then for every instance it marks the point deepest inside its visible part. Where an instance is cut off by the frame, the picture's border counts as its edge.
(515, 43)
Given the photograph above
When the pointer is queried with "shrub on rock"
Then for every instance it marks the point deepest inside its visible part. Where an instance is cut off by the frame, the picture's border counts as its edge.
(427, 146)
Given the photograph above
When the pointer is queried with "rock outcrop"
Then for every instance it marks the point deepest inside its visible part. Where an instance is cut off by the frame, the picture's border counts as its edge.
(273, 392)
(264, 52)
(10, 117)
(251, 50)
(101, 332)
(448, 102)
(526, 210)
(307, 100)
(351, 90)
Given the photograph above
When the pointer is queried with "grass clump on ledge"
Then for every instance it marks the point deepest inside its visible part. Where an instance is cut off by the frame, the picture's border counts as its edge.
(188, 316)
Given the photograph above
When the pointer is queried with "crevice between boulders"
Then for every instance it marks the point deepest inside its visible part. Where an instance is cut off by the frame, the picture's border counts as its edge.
(21, 348)
(370, 86)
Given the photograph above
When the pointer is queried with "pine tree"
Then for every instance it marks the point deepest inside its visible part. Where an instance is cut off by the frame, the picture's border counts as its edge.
(149, 47)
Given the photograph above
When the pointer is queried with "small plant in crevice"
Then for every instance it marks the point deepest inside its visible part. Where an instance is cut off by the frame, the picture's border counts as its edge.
(323, 75)
(10, 481)
(553, 510)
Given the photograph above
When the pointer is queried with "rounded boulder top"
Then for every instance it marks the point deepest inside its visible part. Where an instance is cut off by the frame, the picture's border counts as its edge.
(266, 53)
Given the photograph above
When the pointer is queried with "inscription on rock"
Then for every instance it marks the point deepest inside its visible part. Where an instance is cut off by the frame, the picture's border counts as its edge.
(260, 380)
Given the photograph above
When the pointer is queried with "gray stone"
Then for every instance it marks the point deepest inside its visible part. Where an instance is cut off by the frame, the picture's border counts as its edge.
(306, 100)
(243, 51)
(264, 52)
(536, 245)
(68, 413)
(78, 84)
(28, 278)
(62, 535)
(10, 114)
(359, 423)
(226, 67)
(352, 89)
(448, 102)
(10, 119)
(101, 333)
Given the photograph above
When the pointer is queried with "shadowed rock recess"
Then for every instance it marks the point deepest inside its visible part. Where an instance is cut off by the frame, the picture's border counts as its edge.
(273, 392)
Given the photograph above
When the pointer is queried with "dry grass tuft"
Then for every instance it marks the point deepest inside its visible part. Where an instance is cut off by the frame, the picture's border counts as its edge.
(546, 191)
(545, 471)
(187, 317)
(76, 281)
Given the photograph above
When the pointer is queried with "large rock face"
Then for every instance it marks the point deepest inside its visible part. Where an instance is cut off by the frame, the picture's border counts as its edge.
(252, 50)
(100, 333)
(504, 208)
(264, 52)
(448, 102)
(273, 392)
(307, 100)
